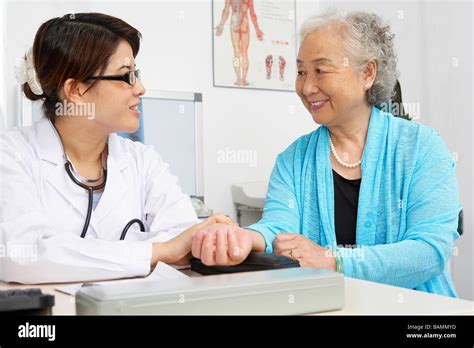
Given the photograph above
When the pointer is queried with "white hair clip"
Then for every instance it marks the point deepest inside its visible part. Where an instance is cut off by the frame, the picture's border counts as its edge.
(25, 73)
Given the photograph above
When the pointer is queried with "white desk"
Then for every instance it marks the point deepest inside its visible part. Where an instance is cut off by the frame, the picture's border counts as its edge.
(369, 298)
(362, 298)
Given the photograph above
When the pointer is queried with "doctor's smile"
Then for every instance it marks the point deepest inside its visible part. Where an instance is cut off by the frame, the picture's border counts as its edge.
(110, 172)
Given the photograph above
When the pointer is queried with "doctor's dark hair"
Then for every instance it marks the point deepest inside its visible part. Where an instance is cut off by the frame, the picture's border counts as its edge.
(75, 46)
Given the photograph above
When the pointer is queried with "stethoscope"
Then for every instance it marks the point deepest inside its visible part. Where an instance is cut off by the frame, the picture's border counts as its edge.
(71, 172)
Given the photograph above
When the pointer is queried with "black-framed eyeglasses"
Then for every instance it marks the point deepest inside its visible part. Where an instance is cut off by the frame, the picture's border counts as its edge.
(130, 77)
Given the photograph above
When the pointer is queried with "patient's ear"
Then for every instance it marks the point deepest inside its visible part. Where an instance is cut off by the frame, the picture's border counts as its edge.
(369, 74)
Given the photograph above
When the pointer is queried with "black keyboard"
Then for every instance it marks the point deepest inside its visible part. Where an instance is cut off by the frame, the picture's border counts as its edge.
(26, 300)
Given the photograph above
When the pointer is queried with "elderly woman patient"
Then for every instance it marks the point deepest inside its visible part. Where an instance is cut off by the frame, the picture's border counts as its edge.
(366, 194)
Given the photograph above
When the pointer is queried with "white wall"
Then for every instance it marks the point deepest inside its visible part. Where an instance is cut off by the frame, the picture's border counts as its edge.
(2, 64)
(176, 54)
(447, 96)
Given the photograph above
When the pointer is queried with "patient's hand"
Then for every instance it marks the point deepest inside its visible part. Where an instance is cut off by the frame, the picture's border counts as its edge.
(222, 244)
(307, 252)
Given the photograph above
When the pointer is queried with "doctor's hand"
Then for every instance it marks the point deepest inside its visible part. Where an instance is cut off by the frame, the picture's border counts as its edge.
(300, 248)
(217, 218)
(223, 245)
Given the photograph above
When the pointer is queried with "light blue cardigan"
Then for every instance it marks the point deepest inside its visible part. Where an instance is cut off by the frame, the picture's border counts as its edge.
(408, 203)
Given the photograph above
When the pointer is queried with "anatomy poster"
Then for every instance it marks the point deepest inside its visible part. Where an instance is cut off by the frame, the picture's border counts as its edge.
(254, 44)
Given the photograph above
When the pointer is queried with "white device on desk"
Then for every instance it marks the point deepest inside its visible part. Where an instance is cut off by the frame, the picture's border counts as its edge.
(249, 199)
(289, 291)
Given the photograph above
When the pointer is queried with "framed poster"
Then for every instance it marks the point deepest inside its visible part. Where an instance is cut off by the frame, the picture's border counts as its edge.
(254, 44)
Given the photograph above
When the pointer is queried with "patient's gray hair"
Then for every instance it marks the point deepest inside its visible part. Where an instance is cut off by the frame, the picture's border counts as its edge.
(366, 38)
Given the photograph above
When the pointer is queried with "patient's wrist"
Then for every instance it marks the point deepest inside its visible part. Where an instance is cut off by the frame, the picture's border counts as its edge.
(258, 242)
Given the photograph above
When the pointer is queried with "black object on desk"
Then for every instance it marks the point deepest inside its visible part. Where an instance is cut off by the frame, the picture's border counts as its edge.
(256, 261)
(26, 301)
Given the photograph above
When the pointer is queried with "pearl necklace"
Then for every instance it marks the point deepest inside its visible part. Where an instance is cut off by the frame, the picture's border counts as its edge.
(340, 161)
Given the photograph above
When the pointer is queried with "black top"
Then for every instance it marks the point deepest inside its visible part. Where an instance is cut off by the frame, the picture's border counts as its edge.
(346, 202)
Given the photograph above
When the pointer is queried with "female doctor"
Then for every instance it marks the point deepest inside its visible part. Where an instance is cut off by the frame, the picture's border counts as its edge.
(78, 202)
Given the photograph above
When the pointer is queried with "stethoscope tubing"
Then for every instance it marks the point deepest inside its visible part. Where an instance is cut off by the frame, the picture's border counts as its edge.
(90, 193)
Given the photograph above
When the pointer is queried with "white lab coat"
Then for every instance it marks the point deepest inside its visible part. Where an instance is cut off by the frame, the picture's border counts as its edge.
(42, 212)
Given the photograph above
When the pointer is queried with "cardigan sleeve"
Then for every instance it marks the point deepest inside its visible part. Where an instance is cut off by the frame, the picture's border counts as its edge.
(425, 248)
(281, 212)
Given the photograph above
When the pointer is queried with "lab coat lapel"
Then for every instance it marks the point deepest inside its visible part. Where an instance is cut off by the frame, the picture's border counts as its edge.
(116, 186)
(51, 154)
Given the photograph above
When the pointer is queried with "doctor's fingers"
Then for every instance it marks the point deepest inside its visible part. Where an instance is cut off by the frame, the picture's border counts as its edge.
(208, 249)
(222, 246)
(224, 219)
(197, 243)
(219, 219)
